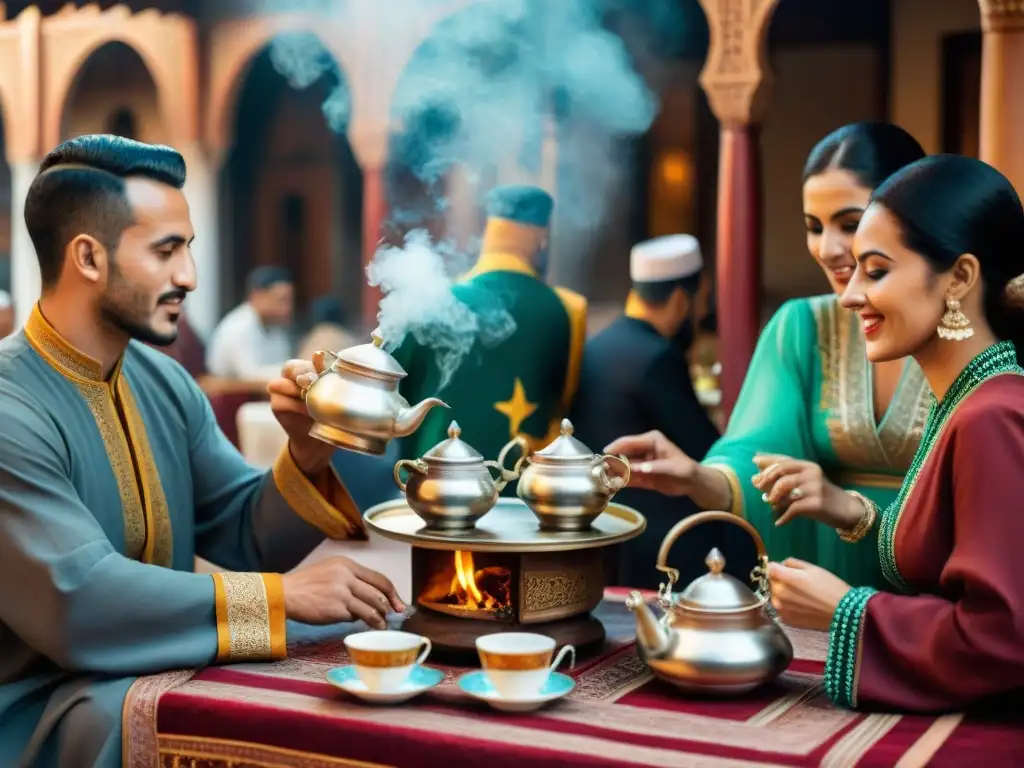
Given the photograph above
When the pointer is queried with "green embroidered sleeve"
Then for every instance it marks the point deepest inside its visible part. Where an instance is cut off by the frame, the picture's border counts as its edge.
(844, 647)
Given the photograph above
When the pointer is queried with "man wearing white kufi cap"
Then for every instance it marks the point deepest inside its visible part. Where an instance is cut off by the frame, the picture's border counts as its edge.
(635, 379)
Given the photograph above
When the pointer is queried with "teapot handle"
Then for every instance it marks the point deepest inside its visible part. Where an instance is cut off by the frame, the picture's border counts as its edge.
(524, 448)
(322, 363)
(759, 575)
(410, 464)
(614, 483)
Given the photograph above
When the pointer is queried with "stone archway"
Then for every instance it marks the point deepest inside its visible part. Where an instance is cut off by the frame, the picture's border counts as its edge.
(236, 44)
(290, 181)
(92, 106)
(166, 43)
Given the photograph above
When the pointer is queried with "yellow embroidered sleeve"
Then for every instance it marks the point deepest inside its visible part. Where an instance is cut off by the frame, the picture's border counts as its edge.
(324, 503)
(735, 491)
(250, 616)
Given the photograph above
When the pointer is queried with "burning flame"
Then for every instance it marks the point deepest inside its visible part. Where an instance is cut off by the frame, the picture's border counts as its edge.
(465, 578)
(461, 585)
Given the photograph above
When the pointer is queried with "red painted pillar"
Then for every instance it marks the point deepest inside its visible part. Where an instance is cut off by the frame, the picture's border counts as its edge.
(736, 79)
(738, 262)
(375, 210)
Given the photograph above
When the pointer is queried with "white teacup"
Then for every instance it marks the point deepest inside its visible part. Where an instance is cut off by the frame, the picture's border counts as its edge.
(519, 663)
(384, 659)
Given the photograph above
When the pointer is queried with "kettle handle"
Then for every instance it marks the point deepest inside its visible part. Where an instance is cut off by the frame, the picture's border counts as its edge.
(759, 575)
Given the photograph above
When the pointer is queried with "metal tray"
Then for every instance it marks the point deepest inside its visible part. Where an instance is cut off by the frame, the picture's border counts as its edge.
(509, 527)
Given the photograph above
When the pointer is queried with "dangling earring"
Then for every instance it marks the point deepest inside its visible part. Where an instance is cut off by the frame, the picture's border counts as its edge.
(954, 325)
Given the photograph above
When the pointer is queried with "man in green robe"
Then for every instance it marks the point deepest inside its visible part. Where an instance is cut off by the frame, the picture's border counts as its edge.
(114, 475)
(523, 385)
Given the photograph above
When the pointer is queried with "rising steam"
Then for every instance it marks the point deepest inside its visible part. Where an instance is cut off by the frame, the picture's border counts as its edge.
(478, 94)
(418, 300)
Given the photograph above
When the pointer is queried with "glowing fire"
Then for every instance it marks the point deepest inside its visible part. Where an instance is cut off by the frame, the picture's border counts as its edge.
(459, 584)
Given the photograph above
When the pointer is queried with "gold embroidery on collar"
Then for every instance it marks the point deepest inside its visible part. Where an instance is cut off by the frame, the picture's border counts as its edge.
(158, 549)
(496, 261)
(847, 399)
(101, 402)
(634, 306)
(56, 351)
(147, 526)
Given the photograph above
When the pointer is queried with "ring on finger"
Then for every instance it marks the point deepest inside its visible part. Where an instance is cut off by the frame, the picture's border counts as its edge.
(796, 494)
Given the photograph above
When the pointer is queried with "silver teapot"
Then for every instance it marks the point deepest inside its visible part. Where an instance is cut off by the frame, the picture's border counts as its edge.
(718, 636)
(567, 485)
(451, 486)
(355, 402)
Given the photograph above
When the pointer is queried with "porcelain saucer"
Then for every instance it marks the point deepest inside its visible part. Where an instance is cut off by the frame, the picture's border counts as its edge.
(477, 685)
(420, 680)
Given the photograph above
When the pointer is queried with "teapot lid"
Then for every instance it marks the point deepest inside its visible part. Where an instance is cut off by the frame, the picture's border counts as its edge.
(373, 358)
(565, 447)
(716, 590)
(454, 450)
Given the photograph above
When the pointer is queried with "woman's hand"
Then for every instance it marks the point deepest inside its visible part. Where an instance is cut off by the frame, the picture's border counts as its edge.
(798, 488)
(805, 596)
(656, 463)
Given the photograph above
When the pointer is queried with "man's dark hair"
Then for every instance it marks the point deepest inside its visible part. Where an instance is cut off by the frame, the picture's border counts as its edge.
(80, 189)
(262, 278)
(657, 293)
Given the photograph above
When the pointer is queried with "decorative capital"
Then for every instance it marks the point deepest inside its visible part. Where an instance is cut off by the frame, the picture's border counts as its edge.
(1002, 15)
(736, 77)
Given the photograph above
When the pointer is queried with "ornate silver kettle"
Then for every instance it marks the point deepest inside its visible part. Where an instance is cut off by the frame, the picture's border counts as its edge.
(355, 400)
(718, 636)
(451, 486)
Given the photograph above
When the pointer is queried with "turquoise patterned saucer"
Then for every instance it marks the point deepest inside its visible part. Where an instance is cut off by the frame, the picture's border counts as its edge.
(420, 680)
(477, 685)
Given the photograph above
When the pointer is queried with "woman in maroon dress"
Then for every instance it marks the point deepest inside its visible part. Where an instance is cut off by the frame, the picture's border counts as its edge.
(938, 251)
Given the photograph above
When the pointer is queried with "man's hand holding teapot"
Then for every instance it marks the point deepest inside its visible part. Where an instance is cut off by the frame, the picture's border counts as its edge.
(286, 401)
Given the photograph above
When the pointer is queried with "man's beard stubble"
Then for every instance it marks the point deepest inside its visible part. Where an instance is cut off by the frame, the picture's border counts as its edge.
(129, 310)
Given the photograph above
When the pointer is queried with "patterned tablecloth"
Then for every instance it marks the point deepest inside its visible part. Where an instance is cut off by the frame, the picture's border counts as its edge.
(285, 714)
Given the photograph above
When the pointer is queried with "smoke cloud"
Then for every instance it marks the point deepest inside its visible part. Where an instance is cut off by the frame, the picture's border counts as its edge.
(478, 95)
(418, 300)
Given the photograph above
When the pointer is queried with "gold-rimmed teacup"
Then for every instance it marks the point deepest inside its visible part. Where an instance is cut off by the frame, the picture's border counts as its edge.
(385, 658)
(519, 663)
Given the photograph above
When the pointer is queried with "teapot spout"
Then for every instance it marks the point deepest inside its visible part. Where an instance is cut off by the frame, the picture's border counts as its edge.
(409, 419)
(651, 637)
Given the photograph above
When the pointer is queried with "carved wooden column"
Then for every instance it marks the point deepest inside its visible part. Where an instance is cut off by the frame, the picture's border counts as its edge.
(370, 147)
(736, 79)
(1002, 87)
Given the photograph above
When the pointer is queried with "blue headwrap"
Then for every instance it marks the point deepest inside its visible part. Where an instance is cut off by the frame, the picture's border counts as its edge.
(524, 204)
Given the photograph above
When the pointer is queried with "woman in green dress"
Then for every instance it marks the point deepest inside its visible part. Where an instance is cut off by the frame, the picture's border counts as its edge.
(810, 392)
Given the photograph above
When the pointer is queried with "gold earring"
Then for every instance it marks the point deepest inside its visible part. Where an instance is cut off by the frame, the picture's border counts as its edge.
(954, 326)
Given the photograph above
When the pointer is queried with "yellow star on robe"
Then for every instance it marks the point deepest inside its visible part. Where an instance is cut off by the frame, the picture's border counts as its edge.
(518, 409)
